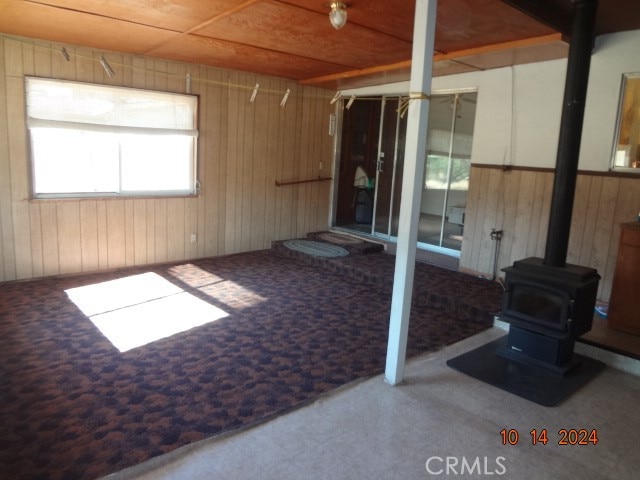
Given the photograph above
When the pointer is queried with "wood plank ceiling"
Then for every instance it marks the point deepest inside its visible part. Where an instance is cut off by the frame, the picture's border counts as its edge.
(294, 39)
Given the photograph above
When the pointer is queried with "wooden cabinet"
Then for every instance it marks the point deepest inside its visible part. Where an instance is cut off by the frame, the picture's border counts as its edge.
(624, 304)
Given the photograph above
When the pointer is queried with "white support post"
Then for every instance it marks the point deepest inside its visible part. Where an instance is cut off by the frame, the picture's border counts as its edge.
(412, 178)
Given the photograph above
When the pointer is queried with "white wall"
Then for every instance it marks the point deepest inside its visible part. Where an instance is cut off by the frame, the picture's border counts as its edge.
(518, 112)
(519, 108)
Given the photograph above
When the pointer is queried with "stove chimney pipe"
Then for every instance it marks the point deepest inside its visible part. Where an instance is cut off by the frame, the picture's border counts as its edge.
(575, 93)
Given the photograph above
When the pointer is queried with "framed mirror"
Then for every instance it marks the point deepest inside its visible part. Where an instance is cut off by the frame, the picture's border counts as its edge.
(626, 151)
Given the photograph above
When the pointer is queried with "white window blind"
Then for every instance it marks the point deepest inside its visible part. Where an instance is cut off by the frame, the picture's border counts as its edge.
(89, 140)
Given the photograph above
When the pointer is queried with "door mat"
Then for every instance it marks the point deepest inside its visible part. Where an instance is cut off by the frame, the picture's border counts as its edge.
(316, 249)
(339, 239)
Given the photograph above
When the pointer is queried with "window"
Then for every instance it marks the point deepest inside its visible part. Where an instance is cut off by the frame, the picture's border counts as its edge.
(626, 152)
(93, 140)
(448, 153)
(438, 175)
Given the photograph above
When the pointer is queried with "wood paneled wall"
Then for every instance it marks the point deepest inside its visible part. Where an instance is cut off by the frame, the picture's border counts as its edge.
(243, 149)
(518, 202)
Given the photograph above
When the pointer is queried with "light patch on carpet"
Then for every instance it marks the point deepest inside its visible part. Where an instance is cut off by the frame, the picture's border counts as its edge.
(232, 295)
(123, 292)
(141, 309)
(193, 275)
(145, 323)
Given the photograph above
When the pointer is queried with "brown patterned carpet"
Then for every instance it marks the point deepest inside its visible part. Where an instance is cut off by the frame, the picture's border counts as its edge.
(74, 407)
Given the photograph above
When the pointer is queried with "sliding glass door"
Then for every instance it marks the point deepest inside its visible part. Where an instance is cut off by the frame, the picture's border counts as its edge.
(370, 169)
(448, 164)
(372, 160)
(389, 169)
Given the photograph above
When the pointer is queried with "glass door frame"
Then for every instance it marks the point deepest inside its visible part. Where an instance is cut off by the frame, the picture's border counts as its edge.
(384, 101)
(379, 165)
(337, 150)
(428, 246)
(457, 93)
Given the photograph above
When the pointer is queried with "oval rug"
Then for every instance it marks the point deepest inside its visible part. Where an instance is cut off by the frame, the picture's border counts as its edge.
(316, 249)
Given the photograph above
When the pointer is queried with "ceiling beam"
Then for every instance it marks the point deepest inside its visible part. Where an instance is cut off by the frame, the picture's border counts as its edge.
(516, 52)
(553, 13)
(499, 47)
(403, 67)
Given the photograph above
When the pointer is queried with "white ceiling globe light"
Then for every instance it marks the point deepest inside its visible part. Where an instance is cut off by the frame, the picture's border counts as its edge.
(338, 14)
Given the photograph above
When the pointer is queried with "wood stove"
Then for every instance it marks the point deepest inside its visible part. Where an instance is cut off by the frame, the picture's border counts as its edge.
(548, 308)
(548, 302)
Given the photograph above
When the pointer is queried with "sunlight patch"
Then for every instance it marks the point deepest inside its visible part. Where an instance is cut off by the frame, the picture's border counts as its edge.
(137, 310)
(233, 295)
(193, 275)
(228, 292)
(123, 292)
(142, 324)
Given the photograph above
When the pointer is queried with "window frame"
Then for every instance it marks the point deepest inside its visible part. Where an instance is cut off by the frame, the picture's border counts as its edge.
(624, 91)
(32, 123)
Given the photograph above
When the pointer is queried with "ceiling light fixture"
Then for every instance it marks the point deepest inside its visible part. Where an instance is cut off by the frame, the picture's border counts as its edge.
(338, 14)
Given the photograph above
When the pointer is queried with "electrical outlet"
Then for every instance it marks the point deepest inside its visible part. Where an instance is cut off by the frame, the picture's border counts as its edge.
(194, 237)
